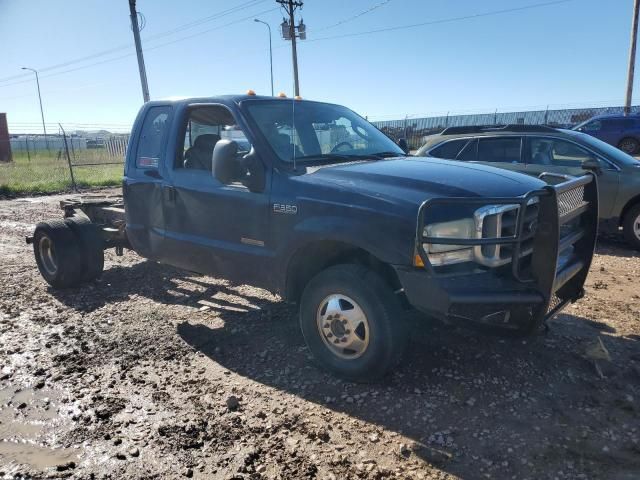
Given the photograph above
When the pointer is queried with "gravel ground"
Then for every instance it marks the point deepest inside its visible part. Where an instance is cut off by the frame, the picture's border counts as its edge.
(154, 372)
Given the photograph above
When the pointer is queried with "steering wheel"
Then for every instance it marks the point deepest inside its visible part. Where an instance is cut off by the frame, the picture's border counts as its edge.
(338, 146)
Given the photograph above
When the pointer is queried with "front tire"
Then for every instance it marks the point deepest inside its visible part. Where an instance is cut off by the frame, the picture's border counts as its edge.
(57, 253)
(352, 323)
(631, 226)
(629, 145)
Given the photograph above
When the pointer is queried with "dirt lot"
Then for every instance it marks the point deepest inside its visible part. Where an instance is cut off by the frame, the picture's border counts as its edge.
(152, 372)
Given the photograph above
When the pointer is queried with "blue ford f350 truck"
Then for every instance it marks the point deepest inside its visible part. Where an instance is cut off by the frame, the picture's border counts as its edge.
(312, 202)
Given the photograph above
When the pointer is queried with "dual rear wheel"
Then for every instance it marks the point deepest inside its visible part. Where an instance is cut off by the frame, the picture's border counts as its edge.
(68, 252)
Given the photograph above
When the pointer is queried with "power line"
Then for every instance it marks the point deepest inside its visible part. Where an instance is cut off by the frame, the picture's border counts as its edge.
(185, 26)
(354, 17)
(250, 17)
(444, 20)
(126, 55)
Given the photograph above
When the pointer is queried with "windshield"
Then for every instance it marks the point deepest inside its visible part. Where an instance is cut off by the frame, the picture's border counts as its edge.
(610, 151)
(580, 125)
(318, 132)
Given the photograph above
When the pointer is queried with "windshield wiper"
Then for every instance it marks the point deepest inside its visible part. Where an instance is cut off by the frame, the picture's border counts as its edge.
(390, 154)
(323, 156)
(328, 157)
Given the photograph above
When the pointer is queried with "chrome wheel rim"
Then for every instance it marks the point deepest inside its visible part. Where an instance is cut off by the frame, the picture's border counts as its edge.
(628, 146)
(48, 255)
(636, 227)
(343, 326)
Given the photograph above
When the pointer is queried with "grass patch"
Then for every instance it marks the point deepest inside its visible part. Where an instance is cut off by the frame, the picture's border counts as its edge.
(48, 172)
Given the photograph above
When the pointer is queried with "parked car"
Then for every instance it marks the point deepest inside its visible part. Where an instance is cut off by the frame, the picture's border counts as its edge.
(617, 130)
(535, 150)
(351, 231)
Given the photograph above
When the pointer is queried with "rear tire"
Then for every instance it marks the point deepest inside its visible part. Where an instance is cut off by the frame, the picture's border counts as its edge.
(631, 226)
(91, 246)
(57, 253)
(352, 323)
(629, 145)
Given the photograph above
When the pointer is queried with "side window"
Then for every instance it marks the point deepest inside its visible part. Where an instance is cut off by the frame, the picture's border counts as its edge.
(449, 150)
(503, 150)
(610, 125)
(206, 126)
(469, 152)
(621, 124)
(548, 151)
(593, 126)
(152, 135)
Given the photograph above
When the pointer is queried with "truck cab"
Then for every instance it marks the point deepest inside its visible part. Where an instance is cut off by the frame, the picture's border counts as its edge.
(310, 201)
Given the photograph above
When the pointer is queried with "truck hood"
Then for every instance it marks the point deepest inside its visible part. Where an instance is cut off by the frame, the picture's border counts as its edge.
(418, 179)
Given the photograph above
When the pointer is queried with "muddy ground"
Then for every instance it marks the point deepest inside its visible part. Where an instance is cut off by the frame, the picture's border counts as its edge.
(154, 372)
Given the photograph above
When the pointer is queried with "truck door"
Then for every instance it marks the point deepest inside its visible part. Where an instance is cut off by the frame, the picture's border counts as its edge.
(210, 227)
(142, 186)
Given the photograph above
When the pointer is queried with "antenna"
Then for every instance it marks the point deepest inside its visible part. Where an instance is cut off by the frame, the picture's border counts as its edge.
(293, 131)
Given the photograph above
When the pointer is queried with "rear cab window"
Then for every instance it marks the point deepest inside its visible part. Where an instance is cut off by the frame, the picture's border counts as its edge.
(149, 151)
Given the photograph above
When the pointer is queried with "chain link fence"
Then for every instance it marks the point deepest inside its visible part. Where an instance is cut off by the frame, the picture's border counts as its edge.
(415, 129)
(61, 162)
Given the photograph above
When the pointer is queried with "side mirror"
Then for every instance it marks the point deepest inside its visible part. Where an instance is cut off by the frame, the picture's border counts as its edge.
(227, 168)
(224, 165)
(592, 164)
(402, 143)
(253, 177)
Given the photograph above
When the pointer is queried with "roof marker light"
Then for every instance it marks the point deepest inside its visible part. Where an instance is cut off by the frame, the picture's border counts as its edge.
(251, 92)
(298, 97)
(282, 95)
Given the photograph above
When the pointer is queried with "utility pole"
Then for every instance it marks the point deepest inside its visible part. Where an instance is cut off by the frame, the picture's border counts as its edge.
(270, 51)
(44, 128)
(289, 33)
(632, 56)
(136, 38)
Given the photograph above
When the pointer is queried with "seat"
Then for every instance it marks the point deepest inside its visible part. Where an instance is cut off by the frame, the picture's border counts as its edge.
(198, 157)
(543, 154)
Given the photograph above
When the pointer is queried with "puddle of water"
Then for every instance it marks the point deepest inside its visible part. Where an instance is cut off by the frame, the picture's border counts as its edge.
(36, 456)
(27, 416)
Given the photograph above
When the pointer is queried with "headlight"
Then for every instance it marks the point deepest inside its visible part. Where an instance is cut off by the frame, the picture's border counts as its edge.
(448, 254)
(489, 221)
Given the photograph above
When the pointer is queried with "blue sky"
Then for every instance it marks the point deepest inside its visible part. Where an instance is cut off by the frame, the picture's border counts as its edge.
(570, 53)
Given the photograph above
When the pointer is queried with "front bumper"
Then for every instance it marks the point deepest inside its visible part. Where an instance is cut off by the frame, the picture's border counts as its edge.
(531, 289)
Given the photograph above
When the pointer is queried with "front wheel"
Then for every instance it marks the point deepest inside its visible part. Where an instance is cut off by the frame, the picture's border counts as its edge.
(631, 226)
(352, 323)
(629, 145)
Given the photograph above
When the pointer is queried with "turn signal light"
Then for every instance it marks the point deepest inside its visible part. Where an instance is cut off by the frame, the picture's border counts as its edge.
(417, 261)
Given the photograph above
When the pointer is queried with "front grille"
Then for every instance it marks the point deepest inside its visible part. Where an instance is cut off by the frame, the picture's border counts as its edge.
(502, 222)
(570, 200)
